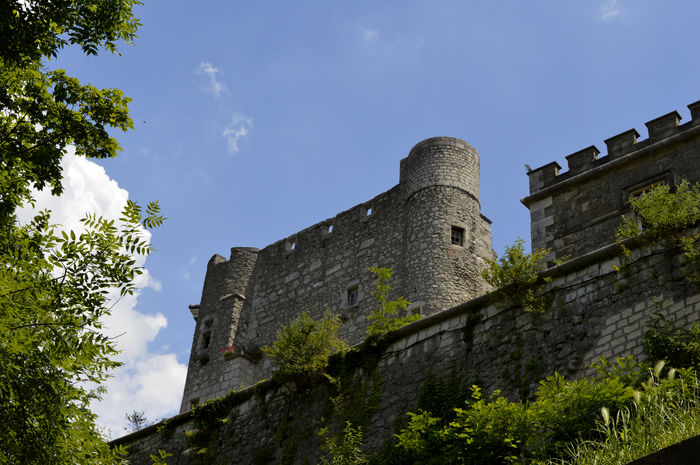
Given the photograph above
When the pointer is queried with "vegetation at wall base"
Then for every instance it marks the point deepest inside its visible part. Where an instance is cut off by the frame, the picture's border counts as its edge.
(345, 449)
(516, 277)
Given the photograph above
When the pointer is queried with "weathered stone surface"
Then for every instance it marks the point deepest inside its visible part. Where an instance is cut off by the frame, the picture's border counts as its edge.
(577, 211)
(467, 335)
(407, 228)
(594, 313)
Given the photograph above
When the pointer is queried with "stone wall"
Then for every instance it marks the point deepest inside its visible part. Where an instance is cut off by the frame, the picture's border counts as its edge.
(248, 298)
(578, 211)
(594, 312)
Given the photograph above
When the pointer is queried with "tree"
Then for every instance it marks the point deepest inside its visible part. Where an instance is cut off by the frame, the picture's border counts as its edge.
(55, 285)
(386, 317)
(54, 290)
(136, 420)
(43, 111)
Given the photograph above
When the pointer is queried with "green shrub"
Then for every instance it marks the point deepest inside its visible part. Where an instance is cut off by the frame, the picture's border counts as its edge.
(304, 346)
(516, 275)
(343, 450)
(679, 347)
(491, 431)
(386, 317)
(568, 411)
(665, 412)
(661, 214)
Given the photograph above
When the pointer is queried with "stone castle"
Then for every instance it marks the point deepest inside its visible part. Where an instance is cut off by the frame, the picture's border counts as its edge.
(430, 230)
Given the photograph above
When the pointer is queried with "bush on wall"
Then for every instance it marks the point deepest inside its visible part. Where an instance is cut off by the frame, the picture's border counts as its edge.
(305, 345)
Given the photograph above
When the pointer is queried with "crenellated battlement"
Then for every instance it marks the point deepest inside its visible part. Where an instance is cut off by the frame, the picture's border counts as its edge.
(576, 211)
(665, 129)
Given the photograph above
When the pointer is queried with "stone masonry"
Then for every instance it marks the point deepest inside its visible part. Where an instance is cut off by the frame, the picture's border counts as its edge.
(578, 211)
(467, 334)
(429, 229)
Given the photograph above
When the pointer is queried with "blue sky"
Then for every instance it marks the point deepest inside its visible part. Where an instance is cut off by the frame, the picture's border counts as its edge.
(254, 120)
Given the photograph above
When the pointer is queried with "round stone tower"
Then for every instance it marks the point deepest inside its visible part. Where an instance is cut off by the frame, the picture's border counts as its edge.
(446, 238)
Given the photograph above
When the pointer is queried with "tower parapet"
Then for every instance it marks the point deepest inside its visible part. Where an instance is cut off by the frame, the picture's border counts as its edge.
(577, 211)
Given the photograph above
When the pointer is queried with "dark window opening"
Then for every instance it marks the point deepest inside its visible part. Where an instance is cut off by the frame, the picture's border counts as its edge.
(457, 236)
(352, 296)
(206, 339)
(206, 335)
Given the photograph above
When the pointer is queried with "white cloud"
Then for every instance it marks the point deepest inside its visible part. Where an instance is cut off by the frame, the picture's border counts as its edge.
(369, 35)
(611, 9)
(88, 188)
(385, 47)
(236, 130)
(215, 86)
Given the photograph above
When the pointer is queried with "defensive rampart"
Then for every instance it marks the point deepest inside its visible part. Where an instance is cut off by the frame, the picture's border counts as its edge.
(594, 312)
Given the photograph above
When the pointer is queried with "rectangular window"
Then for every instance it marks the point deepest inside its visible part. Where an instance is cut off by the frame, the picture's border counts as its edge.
(457, 236)
(206, 335)
(206, 339)
(352, 296)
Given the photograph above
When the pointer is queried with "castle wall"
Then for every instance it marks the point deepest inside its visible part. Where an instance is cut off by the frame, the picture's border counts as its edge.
(578, 211)
(248, 298)
(594, 312)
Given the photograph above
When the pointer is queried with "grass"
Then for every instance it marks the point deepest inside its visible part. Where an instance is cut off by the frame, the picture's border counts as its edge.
(665, 412)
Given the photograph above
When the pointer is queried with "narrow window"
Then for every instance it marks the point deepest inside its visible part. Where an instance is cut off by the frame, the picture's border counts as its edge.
(330, 228)
(352, 296)
(206, 339)
(206, 335)
(194, 402)
(369, 211)
(290, 244)
(457, 236)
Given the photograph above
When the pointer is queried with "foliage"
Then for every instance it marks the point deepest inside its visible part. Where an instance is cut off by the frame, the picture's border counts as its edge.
(660, 214)
(33, 30)
(305, 345)
(137, 420)
(54, 290)
(664, 412)
(487, 431)
(344, 450)
(566, 411)
(494, 430)
(44, 111)
(159, 458)
(385, 318)
(679, 347)
(516, 275)
(55, 287)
